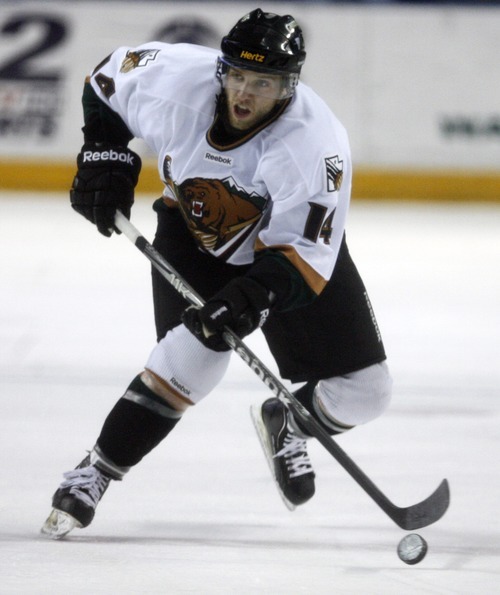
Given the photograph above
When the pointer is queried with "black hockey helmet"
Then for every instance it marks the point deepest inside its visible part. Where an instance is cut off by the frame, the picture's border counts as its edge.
(265, 42)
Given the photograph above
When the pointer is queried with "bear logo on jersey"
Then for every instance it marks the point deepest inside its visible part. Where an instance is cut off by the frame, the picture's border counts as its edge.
(135, 59)
(216, 211)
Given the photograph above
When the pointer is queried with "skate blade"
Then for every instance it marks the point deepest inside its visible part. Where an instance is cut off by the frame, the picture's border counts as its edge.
(59, 524)
(266, 447)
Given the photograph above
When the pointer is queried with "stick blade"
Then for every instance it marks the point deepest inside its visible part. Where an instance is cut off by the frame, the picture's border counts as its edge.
(426, 512)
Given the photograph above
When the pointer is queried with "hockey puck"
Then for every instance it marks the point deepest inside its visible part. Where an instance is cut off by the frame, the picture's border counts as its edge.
(412, 549)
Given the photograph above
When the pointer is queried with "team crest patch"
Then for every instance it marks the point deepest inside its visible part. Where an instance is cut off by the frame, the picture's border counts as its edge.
(136, 59)
(218, 212)
(334, 173)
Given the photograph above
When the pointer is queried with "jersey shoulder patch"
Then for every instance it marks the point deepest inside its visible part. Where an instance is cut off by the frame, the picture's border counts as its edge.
(137, 59)
(334, 173)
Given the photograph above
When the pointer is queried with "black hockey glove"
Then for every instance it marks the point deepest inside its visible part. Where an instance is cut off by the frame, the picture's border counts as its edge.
(243, 306)
(105, 181)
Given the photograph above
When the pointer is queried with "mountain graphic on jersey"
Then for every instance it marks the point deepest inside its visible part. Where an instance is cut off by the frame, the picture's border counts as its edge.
(216, 211)
(334, 173)
(135, 59)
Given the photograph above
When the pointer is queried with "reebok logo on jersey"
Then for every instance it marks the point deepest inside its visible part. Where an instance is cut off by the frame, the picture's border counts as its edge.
(223, 160)
(93, 156)
(251, 56)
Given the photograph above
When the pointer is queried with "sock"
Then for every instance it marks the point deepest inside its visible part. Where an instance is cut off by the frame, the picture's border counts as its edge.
(138, 422)
(305, 395)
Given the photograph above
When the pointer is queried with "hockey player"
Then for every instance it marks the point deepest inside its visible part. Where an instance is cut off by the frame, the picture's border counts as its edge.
(257, 174)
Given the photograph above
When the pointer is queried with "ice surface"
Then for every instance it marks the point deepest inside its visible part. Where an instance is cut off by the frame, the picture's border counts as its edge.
(201, 514)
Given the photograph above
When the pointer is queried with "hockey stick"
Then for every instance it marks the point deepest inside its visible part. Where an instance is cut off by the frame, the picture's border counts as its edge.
(418, 515)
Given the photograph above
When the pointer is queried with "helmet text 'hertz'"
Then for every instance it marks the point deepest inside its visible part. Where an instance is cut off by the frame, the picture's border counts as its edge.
(250, 56)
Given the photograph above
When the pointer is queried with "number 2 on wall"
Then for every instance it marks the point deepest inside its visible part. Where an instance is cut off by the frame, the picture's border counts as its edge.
(52, 33)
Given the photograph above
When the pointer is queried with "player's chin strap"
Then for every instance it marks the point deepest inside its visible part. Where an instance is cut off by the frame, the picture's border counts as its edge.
(418, 515)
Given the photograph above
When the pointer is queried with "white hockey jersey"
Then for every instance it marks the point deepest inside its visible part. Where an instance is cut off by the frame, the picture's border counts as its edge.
(286, 187)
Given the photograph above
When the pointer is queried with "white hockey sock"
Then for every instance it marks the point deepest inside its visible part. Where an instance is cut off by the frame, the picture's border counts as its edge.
(356, 398)
(185, 364)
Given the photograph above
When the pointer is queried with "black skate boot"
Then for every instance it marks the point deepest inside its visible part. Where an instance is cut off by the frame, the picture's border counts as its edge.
(285, 451)
(75, 501)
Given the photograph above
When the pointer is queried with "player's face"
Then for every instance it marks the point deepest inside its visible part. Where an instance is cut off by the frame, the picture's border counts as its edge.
(250, 96)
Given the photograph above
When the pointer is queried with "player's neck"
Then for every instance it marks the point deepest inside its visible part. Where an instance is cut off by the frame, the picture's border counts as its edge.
(223, 136)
